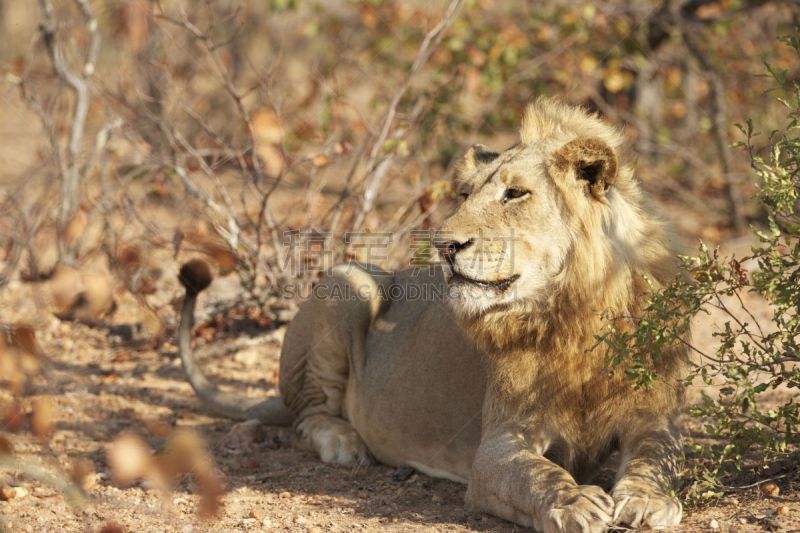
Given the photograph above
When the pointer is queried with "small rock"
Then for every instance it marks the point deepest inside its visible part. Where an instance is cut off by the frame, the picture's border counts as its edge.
(782, 510)
(42, 492)
(770, 489)
(315, 529)
(299, 520)
(713, 524)
(285, 494)
(254, 514)
(249, 356)
(12, 493)
(435, 498)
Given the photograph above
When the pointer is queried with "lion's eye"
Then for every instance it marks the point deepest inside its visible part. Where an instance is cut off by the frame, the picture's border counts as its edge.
(514, 194)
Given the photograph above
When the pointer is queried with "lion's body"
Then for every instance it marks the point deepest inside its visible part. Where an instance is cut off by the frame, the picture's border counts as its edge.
(399, 370)
(499, 385)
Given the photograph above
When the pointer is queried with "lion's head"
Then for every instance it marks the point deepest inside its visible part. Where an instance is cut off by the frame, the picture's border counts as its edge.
(560, 211)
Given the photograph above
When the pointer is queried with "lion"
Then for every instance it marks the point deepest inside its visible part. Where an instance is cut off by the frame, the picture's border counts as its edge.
(482, 370)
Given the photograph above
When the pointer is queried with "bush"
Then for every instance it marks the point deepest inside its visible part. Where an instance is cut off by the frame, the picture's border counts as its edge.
(754, 413)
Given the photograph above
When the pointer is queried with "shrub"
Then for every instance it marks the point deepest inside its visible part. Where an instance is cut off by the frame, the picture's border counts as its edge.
(754, 412)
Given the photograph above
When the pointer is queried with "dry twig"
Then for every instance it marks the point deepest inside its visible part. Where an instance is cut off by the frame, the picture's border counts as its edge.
(71, 170)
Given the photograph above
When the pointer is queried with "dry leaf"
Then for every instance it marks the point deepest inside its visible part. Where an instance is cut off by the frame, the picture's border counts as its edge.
(211, 490)
(225, 260)
(187, 453)
(6, 447)
(13, 416)
(136, 14)
(158, 428)
(111, 527)
(76, 227)
(770, 489)
(23, 337)
(43, 417)
(129, 459)
(267, 136)
(272, 158)
(82, 296)
(82, 473)
(266, 127)
(614, 81)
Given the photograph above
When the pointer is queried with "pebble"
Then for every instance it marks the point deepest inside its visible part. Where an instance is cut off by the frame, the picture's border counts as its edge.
(254, 514)
(781, 510)
(42, 492)
(285, 494)
(12, 493)
(713, 524)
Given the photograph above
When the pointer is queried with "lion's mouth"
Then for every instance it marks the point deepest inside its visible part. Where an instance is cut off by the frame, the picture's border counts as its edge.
(500, 285)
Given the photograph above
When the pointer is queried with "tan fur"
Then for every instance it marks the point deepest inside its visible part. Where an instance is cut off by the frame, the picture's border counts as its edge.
(496, 384)
(544, 381)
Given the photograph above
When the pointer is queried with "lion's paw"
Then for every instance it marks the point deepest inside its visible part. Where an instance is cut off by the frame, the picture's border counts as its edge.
(646, 508)
(344, 448)
(335, 440)
(582, 509)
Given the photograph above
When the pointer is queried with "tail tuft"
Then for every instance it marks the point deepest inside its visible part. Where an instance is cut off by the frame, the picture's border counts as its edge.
(195, 276)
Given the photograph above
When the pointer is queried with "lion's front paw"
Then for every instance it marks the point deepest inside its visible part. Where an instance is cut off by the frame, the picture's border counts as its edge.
(645, 508)
(582, 509)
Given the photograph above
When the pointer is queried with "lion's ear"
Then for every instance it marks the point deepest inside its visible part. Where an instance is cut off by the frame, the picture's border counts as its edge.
(475, 157)
(591, 160)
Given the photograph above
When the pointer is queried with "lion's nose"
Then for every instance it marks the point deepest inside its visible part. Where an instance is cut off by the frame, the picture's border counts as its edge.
(449, 248)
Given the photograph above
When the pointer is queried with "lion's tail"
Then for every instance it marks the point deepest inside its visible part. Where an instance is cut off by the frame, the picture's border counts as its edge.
(196, 276)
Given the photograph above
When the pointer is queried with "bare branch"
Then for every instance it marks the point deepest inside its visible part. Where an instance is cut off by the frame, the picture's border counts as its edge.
(719, 121)
(376, 170)
(61, 483)
(70, 172)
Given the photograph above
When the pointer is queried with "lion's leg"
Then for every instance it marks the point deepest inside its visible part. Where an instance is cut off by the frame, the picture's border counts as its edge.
(322, 349)
(512, 479)
(642, 494)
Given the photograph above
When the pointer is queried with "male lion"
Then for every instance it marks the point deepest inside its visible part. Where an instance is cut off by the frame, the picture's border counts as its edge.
(496, 385)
